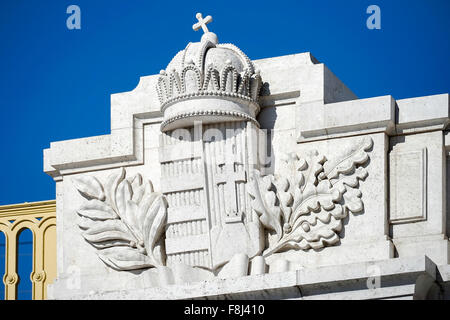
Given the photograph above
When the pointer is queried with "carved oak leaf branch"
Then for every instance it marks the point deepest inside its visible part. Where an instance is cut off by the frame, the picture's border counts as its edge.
(347, 162)
(312, 231)
(287, 185)
(312, 169)
(126, 226)
(309, 225)
(313, 197)
(346, 171)
(263, 203)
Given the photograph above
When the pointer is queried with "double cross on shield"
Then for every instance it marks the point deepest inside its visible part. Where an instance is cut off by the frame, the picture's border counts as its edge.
(237, 233)
(229, 176)
(228, 226)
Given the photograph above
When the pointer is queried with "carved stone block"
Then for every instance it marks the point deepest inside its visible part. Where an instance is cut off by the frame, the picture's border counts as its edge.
(408, 186)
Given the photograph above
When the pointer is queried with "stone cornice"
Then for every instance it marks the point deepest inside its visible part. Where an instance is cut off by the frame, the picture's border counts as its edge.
(291, 283)
(379, 114)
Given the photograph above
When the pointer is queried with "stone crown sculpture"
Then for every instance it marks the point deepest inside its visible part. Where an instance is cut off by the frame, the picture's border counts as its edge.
(207, 73)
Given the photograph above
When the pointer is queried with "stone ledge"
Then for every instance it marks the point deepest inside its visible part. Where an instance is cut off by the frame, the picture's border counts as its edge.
(397, 278)
(379, 114)
(423, 113)
(319, 122)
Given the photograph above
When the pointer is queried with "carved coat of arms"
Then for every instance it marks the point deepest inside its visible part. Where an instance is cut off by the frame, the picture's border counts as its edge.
(215, 202)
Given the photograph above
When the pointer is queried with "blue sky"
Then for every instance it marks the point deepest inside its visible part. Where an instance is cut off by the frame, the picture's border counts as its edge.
(55, 83)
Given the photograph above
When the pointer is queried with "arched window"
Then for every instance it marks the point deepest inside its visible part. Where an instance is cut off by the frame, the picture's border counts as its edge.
(2, 264)
(24, 264)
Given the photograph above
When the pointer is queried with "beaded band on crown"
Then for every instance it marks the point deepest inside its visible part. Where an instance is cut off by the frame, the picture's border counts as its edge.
(244, 116)
(199, 94)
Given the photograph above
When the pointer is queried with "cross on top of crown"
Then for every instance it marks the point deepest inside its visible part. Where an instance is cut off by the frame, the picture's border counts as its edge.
(202, 22)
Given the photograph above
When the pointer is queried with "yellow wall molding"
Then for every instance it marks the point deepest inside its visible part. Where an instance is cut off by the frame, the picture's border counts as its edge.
(40, 218)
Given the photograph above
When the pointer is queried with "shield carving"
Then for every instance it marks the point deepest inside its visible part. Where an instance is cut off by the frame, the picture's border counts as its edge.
(204, 172)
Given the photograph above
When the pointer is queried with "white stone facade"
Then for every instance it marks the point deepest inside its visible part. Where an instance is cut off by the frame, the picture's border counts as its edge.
(269, 179)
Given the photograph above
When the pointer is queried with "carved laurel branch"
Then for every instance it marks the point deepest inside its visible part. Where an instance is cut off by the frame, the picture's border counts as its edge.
(124, 219)
(303, 206)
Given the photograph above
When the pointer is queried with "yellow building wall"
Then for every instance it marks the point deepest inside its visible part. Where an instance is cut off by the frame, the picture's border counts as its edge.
(40, 218)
